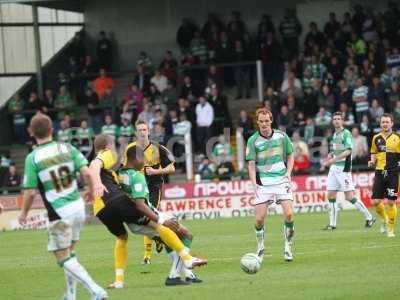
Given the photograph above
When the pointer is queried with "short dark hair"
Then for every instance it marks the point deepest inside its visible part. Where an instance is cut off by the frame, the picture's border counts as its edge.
(134, 153)
(387, 115)
(41, 126)
(101, 142)
(337, 113)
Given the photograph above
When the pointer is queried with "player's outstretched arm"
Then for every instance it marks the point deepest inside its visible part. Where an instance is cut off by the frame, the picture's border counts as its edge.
(29, 196)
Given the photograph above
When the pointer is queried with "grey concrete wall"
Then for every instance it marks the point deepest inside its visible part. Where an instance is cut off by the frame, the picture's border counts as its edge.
(151, 25)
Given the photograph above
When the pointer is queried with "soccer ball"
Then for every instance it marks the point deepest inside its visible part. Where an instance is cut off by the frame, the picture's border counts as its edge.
(250, 263)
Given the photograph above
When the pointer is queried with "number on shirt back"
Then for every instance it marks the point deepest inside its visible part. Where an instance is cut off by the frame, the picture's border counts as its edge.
(62, 179)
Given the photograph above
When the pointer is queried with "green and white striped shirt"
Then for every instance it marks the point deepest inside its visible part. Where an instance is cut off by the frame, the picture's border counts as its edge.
(360, 95)
(270, 154)
(342, 140)
(111, 130)
(52, 168)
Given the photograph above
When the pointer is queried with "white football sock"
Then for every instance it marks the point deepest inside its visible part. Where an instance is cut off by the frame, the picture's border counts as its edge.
(333, 210)
(260, 238)
(79, 273)
(361, 207)
(71, 284)
(175, 268)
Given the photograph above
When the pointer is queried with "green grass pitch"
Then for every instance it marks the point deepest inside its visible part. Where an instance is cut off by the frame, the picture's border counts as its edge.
(350, 263)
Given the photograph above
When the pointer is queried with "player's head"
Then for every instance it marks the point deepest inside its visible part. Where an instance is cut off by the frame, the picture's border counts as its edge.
(135, 157)
(386, 122)
(337, 119)
(103, 142)
(41, 127)
(264, 118)
(142, 130)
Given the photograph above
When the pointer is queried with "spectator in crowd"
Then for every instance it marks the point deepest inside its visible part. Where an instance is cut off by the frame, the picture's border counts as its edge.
(290, 30)
(159, 80)
(299, 120)
(360, 152)
(326, 99)
(301, 161)
(284, 119)
(104, 51)
(185, 34)
(90, 67)
(110, 103)
(48, 103)
(170, 95)
(299, 143)
(365, 126)
(147, 113)
(206, 169)
(85, 135)
(157, 133)
(360, 98)
(396, 114)
(102, 83)
(109, 128)
(265, 25)
(309, 132)
(376, 111)
(348, 116)
(314, 36)
(204, 121)
(271, 56)
(134, 101)
(198, 48)
(34, 105)
(179, 130)
(222, 149)
(94, 110)
(332, 26)
(170, 60)
(15, 107)
(64, 134)
(12, 179)
(245, 124)
(344, 94)
(5, 163)
(316, 68)
(224, 169)
(242, 75)
(142, 79)
(171, 121)
(290, 78)
(64, 103)
(393, 95)
(126, 132)
(146, 63)
(189, 89)
(323, 117)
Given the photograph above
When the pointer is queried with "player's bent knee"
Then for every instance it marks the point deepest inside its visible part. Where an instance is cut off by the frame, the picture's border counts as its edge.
(123, 237)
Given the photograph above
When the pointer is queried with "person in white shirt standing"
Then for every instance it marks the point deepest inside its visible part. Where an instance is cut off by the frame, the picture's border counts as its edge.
(204, 120)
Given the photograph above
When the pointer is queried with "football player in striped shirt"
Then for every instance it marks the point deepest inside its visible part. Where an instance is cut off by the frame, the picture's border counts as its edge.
(51, 168)
(270, 156)
(339, 176)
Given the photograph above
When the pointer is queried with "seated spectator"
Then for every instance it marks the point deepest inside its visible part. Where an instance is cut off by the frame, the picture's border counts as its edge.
(5, 163)
(323, 118)
(299, 143)
(180, 129)
(185, 34)
(284, 119)
(189, 90)
(171, 121)
(102, 83)
(133, 100)
(146, 63)
(314, 35)
(217, 76)
(15, 108)
(365, 126)
(292, 89)
(84, 134)
(224, 169)
(351, 76)
(246, 125)
(158, 117)
(90, 68)
(170, 95)
(326, 99)
(159, 80)
(376, 91)
(48, 103)
(360, 98)
(222, 149)
(198, 48)
(301, 161)
(126, 133)
(291, 77)
(299, 120)
(153, 93)
(348, 116)
(220, 106)
(169, 72)
(393, 95)
(158, 133)
(376, 111)
(344, 94)
(316, 68)
(147, 114)
(169, 60)
(34, 105)
(331, 26)
(63, 103)
(109, 128)
(309, 132)
(360, 151)
(94, 110)
(64, 134)
(110, 103)
(12, 179)
(142, 79)
(396, 114)
(206, 169)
